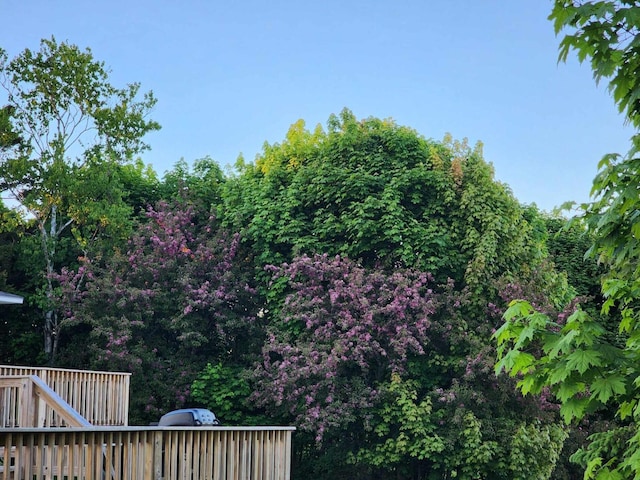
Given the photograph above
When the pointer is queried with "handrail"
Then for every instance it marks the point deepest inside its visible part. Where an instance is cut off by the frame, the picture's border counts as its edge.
(62, 370)
(57, 403)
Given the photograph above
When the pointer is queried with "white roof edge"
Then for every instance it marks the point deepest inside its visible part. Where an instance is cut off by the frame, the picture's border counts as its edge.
(10, 299)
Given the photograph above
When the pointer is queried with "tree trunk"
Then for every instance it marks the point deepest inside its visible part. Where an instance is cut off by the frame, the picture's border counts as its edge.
(50, 317)
(49, 333)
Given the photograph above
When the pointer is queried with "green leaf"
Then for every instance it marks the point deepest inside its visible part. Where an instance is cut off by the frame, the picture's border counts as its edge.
(581, 360)
(503, 333)
(592, 466)
(569, 389)
(563, 345)
(529, 384)
(573, 408)
(518, 309)
(523, 363)
(551, 342)
(607, 474)
(526, 336)
(559, 373)
(604, 388)
(626, 408)
(515, 362)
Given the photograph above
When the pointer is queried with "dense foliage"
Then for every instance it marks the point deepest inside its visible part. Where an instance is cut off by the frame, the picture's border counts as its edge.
(382, 195)
(173, 301)
(385, 257)
(341, 332)
(347, 282)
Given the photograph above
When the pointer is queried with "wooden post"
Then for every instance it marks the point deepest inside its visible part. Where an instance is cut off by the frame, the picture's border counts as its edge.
(27, 401)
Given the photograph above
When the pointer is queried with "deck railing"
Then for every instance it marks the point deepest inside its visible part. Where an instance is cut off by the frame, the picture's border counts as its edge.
(100, 397)
(146, 453)
(32, 403)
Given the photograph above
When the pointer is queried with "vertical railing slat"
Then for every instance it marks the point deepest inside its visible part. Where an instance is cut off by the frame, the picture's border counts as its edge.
(153, 452)
(6, 457)
(220, 456)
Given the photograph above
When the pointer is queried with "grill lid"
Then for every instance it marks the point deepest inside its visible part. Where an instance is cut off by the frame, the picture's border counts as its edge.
(188, 417)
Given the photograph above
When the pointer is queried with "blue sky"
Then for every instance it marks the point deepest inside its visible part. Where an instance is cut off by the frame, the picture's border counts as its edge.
(231, 75)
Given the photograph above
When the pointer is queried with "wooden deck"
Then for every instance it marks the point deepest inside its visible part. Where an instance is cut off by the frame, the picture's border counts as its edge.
(52, 427)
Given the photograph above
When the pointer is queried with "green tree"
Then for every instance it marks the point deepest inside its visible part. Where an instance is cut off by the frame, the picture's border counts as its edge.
(604, 32)
(589, 362)
(384, 200)
(202, 183)
(20, 341)
(567, 244)
(76, 128)
(140, 185)
(383, 195)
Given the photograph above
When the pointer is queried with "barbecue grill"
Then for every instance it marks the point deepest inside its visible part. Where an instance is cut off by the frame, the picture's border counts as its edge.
(188, 417)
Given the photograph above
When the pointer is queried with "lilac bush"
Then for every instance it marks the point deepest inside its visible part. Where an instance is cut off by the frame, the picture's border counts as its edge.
(342, 330)
(177, 298)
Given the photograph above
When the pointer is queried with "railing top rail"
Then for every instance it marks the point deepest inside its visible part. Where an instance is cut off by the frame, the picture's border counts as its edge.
(53, 369)
(148, 429)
